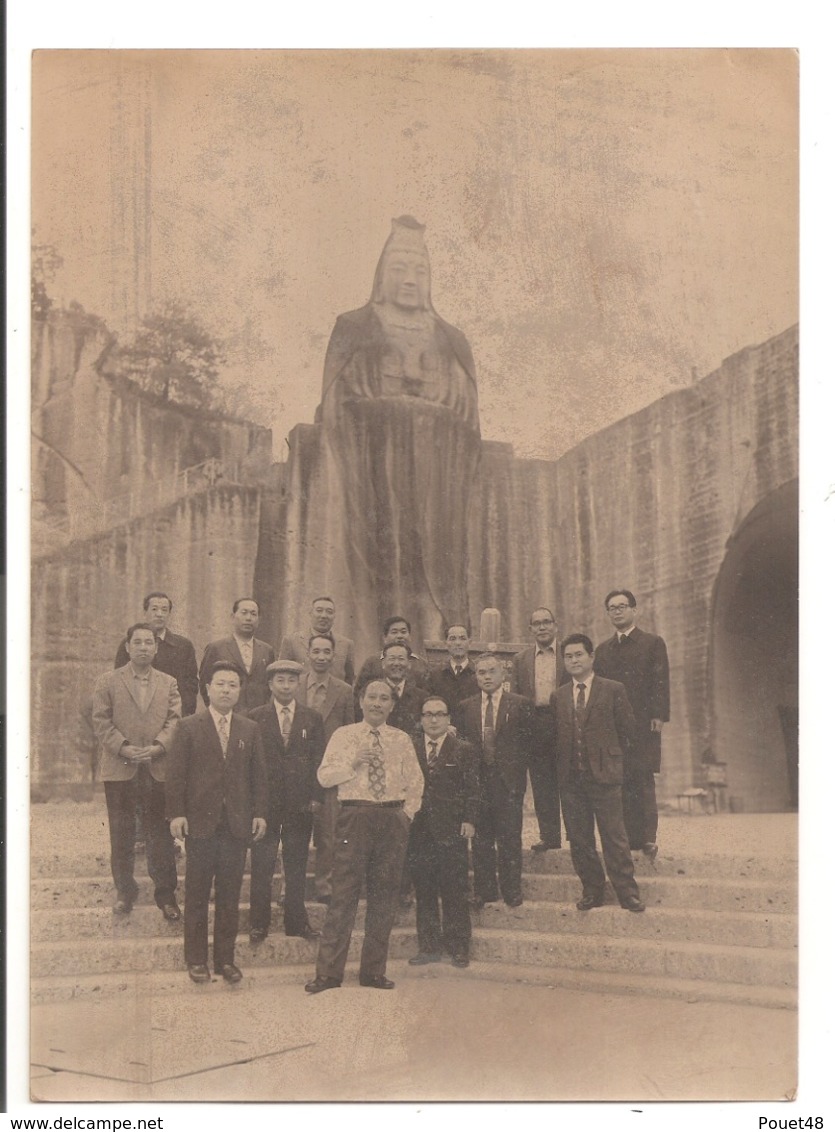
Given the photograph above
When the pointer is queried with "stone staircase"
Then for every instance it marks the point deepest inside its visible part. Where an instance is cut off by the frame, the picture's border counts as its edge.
(717, 928)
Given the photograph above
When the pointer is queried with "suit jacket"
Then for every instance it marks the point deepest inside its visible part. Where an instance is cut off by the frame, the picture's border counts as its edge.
(294, 647)
(255, 690)
(338, 708)
(523, 677)
(201, 783)
(118, 718)
(450, 795)
(291, 768)
(176, 657)
(406, 711)
(608, 730)
(641, 665)
(453, 689)
(514, 726)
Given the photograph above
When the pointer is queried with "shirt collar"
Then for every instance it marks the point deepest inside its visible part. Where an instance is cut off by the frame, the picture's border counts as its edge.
(439, 741)
(215, 714)
(626, 632)
(496, 696)
(279, 708)
(549, 649)
(465, 663)
(144, 677)
(586, 681)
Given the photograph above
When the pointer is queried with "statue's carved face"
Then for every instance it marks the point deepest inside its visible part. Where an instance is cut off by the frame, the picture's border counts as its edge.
(405, 279)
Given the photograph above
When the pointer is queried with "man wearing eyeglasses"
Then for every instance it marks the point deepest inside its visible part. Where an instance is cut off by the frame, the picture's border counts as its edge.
(638, 660)
(535, 674)
(437, 852)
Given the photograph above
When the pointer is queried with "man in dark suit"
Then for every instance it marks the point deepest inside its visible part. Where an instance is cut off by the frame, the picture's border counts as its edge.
(456, 681)
(135, 710)
(408, 694)
(595, 726)
(639, 661)
(500, 726)
(322, 616)
(175, 654)
(534, 674)
(294, 742)
(216, 798)
(334, 700)
(246, 652)
(437, 852)
(396, 631)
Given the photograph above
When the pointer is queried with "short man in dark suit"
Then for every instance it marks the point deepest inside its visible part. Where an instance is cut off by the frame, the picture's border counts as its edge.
(408, 694)
(438, 838)
(535, 675)
(246, 652)
(135, 712)
(322, 616)
(216, 798)
(639, 661)
(380, 787)
(595, 726)
(456, 681)
(500, 726)
(396, 631)
(175, 654)
(334, 700)
(294, 741)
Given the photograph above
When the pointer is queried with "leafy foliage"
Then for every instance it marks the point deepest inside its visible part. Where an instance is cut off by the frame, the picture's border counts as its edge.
(173, 356)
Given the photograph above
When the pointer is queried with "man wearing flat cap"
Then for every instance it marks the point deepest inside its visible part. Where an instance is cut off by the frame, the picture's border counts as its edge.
(294, 742)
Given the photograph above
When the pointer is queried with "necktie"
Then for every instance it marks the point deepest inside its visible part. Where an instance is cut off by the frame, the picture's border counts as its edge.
(581, 699)
(489, 734)
(285, 724)
(433, 753)
(457, 669)
(318, 698)
(376, 768)
(223, 733)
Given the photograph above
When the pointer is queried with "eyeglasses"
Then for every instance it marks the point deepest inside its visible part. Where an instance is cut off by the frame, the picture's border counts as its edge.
(541, 624)
(616, 608)
(435, 714)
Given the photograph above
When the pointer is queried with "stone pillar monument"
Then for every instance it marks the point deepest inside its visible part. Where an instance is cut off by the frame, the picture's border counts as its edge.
(399, 446)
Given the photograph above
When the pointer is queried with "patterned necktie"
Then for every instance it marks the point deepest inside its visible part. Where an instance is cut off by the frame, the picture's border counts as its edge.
(581, 700)
(433, 752)
(285, 724)
(223, 733)
(489, 737)
(376, 768)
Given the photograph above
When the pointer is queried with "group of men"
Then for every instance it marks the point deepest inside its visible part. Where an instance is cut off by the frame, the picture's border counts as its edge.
(393, 772)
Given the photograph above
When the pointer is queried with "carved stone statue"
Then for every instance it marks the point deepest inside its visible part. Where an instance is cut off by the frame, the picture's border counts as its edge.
(396, 346)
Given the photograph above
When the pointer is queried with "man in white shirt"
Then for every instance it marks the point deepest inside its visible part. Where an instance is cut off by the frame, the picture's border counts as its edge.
(380, 786)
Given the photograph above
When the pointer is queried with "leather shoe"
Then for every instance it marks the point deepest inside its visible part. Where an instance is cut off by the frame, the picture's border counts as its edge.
(199, 973)
(322, 982)
(424, 957)
(460, 961)
(480, 901)
(378, 982)
(650, 851)
(633, 904)
(257, 935)
(123, 907)
(515, 902)
(590, 900)
(307, 933)
(230, 973)
(171, 912)
(542, 846)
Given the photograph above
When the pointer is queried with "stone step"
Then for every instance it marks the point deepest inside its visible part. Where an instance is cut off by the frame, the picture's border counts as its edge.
(749, 929)
(776, 967)
(722, 894)
(290, 978)
(75, 861)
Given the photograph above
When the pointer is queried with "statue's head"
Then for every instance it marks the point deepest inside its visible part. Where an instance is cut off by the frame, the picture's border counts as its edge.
(402, 277)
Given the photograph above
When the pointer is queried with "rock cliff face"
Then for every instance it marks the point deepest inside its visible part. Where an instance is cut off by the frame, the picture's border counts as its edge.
(677, 503)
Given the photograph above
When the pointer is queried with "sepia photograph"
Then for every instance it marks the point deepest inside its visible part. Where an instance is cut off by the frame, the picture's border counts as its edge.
(414, 575)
